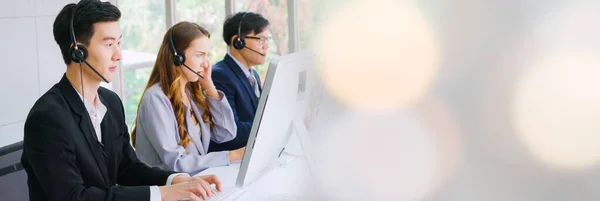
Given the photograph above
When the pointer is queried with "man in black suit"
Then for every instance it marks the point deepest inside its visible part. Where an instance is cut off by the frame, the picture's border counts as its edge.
(76, 143)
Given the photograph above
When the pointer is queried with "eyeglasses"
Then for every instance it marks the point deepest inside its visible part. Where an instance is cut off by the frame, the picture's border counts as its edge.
(261, 40)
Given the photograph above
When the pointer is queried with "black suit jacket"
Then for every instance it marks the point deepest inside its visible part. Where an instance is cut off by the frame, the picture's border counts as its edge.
(64, 160)
(231, 80)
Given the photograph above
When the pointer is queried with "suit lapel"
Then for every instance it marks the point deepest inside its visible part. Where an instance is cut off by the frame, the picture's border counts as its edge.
(242, 77)
(108, 126)
(199, 139)
(85, 124)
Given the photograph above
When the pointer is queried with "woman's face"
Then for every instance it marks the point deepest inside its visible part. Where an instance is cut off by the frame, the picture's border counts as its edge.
(196, 57)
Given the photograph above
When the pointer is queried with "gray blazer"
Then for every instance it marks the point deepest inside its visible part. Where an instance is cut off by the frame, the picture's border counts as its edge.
(157, 135)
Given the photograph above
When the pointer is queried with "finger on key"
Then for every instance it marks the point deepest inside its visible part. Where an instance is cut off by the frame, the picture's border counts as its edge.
(193, 197)
(200, 189)
(209, 190)
(213, 179)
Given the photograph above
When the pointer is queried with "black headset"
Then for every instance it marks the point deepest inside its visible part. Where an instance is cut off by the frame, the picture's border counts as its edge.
(78, 52)
(239, 43)
(178, 57)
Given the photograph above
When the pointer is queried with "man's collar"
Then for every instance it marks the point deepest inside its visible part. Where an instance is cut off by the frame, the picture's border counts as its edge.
(244, 69)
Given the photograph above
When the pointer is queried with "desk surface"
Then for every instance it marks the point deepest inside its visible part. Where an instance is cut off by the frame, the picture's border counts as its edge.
(290, 180)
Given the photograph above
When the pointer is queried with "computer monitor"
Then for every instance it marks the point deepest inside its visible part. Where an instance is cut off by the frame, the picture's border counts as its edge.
(317, 109)
(308, 101)
(277, 108)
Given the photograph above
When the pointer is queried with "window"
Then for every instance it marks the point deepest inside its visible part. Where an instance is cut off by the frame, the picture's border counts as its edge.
(310, 13)
(277, 14)
(209, 14)
(144, 25)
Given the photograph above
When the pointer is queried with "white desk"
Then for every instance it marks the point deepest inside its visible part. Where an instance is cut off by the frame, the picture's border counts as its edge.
(289, 181)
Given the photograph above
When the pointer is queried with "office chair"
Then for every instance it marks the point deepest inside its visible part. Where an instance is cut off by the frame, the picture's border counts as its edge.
(13, 179)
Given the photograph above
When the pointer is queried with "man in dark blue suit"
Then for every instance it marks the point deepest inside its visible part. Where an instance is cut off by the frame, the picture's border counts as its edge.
(246, 34)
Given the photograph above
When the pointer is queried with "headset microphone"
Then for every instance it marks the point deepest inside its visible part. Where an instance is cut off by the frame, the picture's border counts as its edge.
(261, 54)
(95, 71)
(198, 74)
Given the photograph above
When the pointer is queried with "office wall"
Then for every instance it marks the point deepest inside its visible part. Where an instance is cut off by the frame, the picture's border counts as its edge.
(31, 60)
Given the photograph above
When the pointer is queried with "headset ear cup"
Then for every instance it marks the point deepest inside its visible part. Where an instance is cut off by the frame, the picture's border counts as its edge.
(239, 44)
(178, 59)
(80, 54)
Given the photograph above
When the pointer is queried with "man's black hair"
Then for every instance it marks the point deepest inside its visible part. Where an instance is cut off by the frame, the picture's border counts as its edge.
(88, 13)
(252, 22)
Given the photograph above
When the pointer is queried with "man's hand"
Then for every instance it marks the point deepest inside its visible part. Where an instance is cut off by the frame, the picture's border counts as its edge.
(211, 179)
(193, 188)
(180, 179)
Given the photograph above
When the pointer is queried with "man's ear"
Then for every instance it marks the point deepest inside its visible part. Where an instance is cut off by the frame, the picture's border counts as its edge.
(233, 38)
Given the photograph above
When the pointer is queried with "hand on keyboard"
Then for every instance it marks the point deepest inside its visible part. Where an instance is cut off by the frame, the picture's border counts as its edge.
(210, 179)
(193, 189)
(220, 195)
